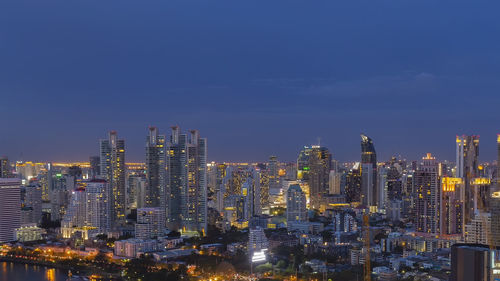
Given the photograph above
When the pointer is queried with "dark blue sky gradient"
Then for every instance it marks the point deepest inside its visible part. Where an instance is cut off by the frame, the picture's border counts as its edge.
(255, 77)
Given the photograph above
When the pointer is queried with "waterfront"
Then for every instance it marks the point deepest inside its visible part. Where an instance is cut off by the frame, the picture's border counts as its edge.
(10, 271)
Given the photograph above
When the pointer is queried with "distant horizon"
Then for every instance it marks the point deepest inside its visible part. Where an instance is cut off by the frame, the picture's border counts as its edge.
(381, 158)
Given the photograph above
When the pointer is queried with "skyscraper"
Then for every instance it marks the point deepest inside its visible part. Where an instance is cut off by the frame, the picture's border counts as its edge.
(295, 204)
(368, 172)
(33, 200)
(95, 166)
(353, 184)
(112, 154)
(427, 190)
(187, 181)
(97, 205)
(452, 206)
(5, 168)
(467, 168)
(155, 170)
(251, 192)
(313, 166)
(10, 208)
(471, 262)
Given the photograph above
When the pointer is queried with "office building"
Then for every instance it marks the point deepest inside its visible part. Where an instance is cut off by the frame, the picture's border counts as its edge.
(5, 168)
(33, 201)
(467, 168)
(452, 206)
(472, 262)
(95, 166)
(427, 194)
(296, 209)
(97, 205)
(10, 208)
(313, 166)
(353, 184)
(112, 155)
(368, 172)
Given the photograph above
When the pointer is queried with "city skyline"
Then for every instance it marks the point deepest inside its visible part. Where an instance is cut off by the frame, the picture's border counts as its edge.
(136, 154)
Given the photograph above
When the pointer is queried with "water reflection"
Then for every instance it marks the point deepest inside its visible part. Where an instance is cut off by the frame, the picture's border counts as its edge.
(26, 272)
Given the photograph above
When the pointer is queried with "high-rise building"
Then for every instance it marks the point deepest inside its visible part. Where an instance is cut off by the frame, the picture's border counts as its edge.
(89, 209)
(495, 218)
(112, 154)
(313, 166)
(467, 168)
(97, 205)
(368, 172)
(273, 173)
(251, 192)
(10, 208)
(33, 200)
(95, 166)
(296, 209)
(382, 191)
(477, 231)
(427, 190)
(452, 206)
(155, 169)
(472, 262)
(334, 182)
(150, 223)
(257, 240)
(137, 191)
(353, 184)
(5, 168)
(187, 181)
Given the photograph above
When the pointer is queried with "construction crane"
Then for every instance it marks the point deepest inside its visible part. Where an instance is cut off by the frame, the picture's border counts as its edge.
(366, 238)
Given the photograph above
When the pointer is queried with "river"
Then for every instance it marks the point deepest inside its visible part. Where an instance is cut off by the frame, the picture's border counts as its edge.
(10, 271)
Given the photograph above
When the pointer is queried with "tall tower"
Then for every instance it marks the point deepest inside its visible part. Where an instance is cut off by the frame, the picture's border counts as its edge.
(368, 172)
(313, 166)
(155, 169)
(295, 204)
(467, 168)
(427, 190)
(187, 181)
(5, 168)
(10, 208)
(112, 154)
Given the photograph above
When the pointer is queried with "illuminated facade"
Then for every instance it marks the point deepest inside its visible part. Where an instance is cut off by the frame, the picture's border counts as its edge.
(313, 166)
(296, 210)
(368, 172)
(112, 155)
(187, 181)
(10, 211)
(467, 168)
(5, 168)
(353, 184)
(427, 194)
(495, 218)
(156, 171)
(452, 206)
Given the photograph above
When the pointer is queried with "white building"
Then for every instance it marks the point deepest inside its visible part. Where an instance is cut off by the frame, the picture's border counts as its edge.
(97, 205)
(10, 208)
(133, 248)
(257, 240)
(29, 232)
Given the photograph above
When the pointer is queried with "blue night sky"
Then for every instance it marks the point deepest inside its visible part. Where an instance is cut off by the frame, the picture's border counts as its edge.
(257, 78)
